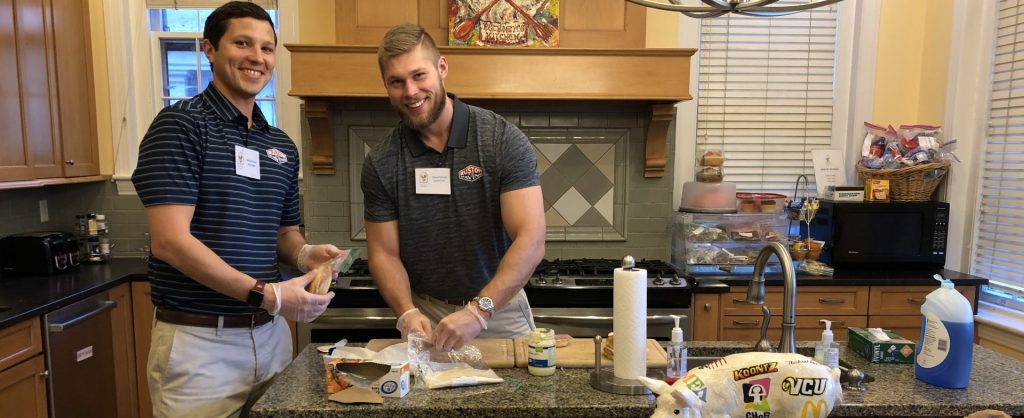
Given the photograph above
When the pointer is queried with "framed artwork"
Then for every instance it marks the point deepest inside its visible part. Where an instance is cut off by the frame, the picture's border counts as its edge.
(529, 23)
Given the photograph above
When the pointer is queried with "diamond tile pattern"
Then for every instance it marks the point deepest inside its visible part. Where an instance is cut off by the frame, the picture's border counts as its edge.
(578, 181)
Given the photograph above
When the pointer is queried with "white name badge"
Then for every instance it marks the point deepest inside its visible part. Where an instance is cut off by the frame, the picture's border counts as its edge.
(247, 162)
(433, 181)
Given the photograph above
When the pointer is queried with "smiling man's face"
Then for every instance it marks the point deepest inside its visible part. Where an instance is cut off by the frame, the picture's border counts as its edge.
(244, 60)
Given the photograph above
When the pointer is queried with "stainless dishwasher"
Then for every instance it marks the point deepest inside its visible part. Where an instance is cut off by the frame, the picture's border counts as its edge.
(80, 359)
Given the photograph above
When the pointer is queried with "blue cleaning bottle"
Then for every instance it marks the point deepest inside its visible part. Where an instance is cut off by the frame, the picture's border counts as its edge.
(944, 353)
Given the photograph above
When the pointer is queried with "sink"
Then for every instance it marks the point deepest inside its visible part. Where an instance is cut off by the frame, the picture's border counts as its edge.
(697, 361)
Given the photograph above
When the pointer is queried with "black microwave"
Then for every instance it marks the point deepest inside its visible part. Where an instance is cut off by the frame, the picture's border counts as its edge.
(893, 234)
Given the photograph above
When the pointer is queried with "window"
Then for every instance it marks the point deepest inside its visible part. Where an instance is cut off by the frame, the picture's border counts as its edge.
(182, 65)
(765, 95)
(999, 229)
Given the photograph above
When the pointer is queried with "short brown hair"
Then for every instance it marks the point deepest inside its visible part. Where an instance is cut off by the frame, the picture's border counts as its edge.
(404, 38)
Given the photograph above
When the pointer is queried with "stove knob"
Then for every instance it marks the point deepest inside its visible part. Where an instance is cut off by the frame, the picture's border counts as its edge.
(658, 281)
(674, 281)
(557, 280)
(541, 280)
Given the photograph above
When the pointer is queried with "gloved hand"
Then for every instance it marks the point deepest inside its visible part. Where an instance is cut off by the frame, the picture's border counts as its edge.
(293, 302)
(456, 329)
(311, 256)
(413, 321)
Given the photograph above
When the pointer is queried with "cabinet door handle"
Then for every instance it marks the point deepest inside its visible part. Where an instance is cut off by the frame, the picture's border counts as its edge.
(834, 301)
(739, 301)
(69, 162)
(707, 307)
(750, 323)
(915, 300)
(44, 374)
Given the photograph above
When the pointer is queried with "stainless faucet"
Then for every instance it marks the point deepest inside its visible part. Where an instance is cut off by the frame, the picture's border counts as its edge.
(755, 292)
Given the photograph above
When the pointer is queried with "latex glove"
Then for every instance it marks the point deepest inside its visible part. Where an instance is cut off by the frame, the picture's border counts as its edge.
(456, 329)
(413, 321)
(292, 301)
(988, 413)
(311, 256)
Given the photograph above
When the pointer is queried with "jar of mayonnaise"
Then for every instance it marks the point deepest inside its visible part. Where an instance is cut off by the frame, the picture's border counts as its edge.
(541, 349)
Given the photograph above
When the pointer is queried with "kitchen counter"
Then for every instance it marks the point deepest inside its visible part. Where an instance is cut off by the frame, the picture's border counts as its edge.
(996, 382)
(23, 297)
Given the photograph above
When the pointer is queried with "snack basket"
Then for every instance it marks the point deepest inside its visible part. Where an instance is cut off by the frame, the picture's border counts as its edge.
(908, 183)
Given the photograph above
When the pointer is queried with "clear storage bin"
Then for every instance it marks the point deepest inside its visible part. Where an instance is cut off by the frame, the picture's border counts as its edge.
(724, 244)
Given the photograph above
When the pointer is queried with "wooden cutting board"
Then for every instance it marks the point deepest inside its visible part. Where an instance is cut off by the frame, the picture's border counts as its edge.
(497, 353)
(579, 354)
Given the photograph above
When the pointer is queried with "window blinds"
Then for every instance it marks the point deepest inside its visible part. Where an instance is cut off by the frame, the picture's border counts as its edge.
(765, 94)
(999, 250)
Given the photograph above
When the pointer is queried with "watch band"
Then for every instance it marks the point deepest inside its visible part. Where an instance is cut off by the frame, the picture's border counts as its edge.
(255, 297)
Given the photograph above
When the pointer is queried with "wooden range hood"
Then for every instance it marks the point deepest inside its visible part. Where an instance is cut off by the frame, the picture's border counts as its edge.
(659, 77)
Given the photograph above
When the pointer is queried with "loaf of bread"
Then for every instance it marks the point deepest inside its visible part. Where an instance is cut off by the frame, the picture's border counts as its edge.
(712, 158)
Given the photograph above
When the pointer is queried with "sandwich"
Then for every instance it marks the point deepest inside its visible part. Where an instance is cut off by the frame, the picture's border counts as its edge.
(323, 275)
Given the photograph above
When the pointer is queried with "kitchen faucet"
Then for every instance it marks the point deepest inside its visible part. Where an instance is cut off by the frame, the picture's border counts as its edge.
(755, 292)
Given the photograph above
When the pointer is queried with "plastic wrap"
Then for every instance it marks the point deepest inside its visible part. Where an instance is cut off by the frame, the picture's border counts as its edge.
(441, 369)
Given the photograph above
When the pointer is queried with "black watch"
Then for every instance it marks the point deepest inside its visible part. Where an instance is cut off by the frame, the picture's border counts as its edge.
(255, 297)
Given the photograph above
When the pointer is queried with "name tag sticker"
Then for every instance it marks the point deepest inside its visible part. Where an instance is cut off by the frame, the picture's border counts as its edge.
(433, 181)
(247, 162)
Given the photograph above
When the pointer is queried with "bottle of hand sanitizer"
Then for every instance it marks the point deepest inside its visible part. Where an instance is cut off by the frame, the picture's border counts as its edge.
(827, 351)
(676, 353)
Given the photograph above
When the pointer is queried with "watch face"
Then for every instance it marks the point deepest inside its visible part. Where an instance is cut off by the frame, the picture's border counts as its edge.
(486, 304)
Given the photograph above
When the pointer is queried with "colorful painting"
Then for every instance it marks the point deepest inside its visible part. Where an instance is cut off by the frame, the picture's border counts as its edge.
(530, 23)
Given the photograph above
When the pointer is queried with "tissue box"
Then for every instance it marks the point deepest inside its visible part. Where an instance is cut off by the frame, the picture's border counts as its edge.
(896, 350)
(395, 384)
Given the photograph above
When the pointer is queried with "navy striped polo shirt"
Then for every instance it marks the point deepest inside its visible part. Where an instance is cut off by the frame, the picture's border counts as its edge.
(188, 158)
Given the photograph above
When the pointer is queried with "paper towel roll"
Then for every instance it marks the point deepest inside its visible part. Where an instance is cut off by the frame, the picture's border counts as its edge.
(630, 323)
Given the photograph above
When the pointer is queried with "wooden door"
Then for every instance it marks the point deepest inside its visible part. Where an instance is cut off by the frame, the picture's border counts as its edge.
(364, 22)
(707, 314)
(124, 351)
(142, 309)
(23, 390)
(602, 24)
(38, 89)
(14, 160)
(77, 111)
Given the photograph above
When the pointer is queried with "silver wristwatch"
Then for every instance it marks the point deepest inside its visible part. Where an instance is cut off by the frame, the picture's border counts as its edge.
(485, 304)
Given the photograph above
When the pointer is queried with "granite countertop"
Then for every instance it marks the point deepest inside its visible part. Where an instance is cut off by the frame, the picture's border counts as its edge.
(23, 297)
(996, 382)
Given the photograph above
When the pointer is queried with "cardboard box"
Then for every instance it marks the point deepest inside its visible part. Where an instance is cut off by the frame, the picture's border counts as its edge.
(868, 345)
(845, 193)
(876, 189)
(395, 384)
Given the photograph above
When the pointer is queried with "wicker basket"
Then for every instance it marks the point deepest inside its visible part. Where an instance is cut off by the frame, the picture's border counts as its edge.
(908, 183)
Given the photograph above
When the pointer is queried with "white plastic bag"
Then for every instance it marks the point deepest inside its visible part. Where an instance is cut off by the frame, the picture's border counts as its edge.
(442, 369)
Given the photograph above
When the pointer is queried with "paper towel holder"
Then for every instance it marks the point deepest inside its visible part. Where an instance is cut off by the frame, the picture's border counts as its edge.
(604, 379)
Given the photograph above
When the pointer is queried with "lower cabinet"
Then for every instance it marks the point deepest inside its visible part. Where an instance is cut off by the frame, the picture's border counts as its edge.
(727, 317)
(142, 309)
(123, 332)
(23, 371)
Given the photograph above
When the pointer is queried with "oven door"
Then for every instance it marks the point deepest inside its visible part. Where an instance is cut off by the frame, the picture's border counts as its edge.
(588, 322)
(354, 324)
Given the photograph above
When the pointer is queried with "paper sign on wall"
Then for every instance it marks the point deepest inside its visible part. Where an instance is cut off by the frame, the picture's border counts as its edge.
(829, 169)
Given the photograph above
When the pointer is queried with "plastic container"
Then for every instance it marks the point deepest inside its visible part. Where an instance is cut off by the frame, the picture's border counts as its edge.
(541, 352)
(760, 202)
(944, 353)
(676, 349)
(826, 351)
(703, 197)
(708, 174)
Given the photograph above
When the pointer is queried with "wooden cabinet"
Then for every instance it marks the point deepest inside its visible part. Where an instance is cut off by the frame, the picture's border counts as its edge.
(897, 308)
(142, 312)
(22, 371)
(48, 125)
(124, 351)
(582, 23)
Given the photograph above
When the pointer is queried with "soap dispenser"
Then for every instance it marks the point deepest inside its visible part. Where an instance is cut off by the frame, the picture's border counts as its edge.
(676, 353)
(827, 351)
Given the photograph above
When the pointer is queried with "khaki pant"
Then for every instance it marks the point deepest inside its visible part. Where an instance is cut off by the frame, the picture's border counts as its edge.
(214, 372)
(513, 320)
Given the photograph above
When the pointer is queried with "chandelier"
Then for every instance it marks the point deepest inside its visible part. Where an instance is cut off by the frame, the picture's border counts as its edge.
(715, 8)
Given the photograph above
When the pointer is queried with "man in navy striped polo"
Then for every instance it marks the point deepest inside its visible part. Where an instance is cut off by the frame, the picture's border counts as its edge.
(220, 188)
(453, 206)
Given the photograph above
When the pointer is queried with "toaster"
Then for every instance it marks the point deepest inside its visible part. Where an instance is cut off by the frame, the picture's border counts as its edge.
(39, 253)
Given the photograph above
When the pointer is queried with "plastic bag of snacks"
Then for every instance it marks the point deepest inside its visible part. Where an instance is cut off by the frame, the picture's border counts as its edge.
(889, 148)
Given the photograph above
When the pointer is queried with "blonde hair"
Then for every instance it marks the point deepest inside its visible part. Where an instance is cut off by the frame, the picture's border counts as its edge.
(404, 38)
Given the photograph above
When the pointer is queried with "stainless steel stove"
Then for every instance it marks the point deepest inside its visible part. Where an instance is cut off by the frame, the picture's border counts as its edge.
(570, 296)
(575, 296)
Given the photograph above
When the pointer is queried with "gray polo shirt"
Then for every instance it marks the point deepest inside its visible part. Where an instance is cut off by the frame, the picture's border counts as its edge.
(450, 244)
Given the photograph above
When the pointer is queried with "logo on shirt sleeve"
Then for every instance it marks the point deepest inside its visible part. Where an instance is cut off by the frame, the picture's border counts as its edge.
(277, 155)
(471, 173)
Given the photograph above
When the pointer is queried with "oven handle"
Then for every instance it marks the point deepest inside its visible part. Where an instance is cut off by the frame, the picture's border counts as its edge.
(658, 319)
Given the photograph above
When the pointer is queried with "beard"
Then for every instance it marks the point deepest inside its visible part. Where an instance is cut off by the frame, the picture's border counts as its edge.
(432, 116)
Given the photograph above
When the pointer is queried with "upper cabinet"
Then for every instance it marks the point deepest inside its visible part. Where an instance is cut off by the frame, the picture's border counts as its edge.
(582, 23)
(48, 125)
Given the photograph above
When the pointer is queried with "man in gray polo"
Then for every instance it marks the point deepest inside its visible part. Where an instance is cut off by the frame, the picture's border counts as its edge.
(453, 206)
